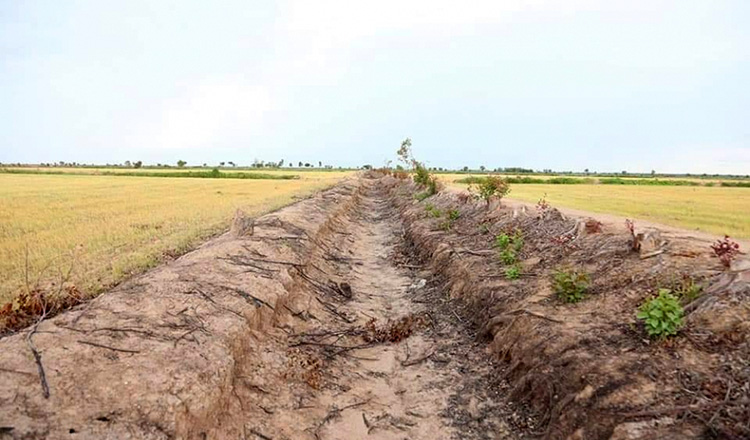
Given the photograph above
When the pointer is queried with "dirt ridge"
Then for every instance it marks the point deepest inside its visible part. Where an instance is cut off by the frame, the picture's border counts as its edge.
(587, 370)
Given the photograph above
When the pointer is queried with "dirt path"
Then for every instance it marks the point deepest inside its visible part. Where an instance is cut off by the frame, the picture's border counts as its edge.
(430, 384)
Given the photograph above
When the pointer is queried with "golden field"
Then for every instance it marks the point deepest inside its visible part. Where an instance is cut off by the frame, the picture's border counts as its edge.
(107, 228)
(716, 210)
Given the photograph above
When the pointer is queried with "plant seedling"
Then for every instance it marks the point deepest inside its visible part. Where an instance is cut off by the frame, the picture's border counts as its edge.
(662, 315)
(570, 286)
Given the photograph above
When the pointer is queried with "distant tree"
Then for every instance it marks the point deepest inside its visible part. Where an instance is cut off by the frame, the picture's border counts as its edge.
(138, 164)
(281, 163)
(367, 167)
(482, 168)
(181, 163)
(221, 164)
(204, 164)
(232, 163)
(624, 172)
(128, 164)
(307, 165)
(586, 171)
(653, 173)
(320, 164)
(465, 169)
(300, 164)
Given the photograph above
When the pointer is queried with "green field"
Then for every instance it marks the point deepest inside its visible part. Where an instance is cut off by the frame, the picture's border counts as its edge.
(716, 210)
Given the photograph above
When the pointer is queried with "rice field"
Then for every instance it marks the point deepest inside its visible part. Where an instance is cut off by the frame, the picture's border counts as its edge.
(716, 210)
(105, 228)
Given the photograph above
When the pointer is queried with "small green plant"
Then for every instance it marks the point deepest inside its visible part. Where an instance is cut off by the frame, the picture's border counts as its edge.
(454, 214)
(513, 272)
(662, 315)
(570, 285)
(502, 241)
(508, 256)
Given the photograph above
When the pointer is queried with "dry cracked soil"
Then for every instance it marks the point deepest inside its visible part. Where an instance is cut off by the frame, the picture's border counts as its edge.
(359, 313)
(314, 324)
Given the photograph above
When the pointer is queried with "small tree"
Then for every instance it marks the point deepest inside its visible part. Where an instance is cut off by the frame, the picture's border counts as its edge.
(490, 188)
(128, 164)
(181, 163)
(404, 152)
(137, 164)
(320, 164)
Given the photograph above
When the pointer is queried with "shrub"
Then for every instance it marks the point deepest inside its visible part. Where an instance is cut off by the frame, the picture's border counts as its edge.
(570, 286)
(484, 228)
(515, 242)
(513, 272)
(502, 241)
(662, 315)
(421, 175)
(726, 250)
(454, 214)
(433, 185)
(508, 256)
(489, 188)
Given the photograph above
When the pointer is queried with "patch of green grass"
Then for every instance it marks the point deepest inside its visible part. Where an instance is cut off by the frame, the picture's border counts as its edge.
(212, 174)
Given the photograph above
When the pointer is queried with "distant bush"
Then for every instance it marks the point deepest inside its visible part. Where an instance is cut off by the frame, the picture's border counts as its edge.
(570, 286)
(662, 315)
(736, 184)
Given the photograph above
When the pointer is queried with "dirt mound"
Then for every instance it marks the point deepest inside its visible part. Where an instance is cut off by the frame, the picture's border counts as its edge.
(588, 370)
(159, 356)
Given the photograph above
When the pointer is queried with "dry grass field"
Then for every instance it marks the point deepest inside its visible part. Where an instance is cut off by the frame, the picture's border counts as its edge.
(106, 228)
(715, 210)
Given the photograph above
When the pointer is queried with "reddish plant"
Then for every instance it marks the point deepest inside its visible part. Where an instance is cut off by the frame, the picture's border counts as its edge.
(726, 250)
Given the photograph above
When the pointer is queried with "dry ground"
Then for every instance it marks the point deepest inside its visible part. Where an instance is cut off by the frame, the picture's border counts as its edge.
(354, 314)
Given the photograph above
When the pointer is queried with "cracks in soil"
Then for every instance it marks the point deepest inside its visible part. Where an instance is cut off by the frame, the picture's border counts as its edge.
(392, 358)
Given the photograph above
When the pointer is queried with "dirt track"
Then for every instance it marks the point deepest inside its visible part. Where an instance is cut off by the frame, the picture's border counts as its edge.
(353, 315)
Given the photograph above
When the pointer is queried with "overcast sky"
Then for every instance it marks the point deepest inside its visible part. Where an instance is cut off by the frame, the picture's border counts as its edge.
(565, 84)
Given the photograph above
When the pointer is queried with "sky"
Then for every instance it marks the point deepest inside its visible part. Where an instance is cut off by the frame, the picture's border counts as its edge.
(607, 85)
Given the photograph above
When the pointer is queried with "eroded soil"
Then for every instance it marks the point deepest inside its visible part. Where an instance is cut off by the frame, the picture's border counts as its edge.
(310, 323)
(359, 313)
